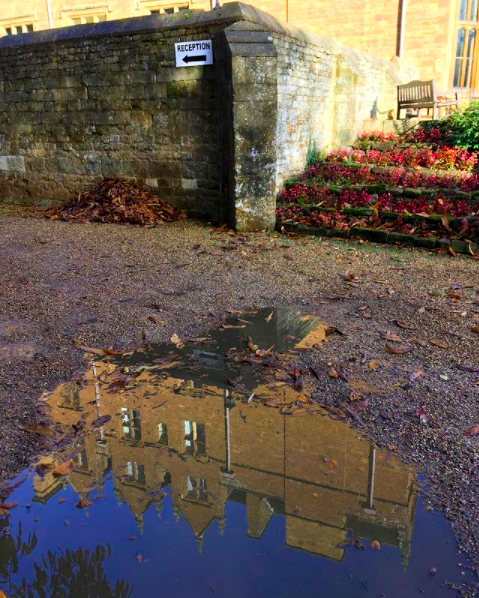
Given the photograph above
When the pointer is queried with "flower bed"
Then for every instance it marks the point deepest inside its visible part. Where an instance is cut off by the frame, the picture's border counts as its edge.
(390, 191)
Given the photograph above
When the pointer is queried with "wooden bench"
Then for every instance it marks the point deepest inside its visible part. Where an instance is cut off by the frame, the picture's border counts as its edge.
(422, 94)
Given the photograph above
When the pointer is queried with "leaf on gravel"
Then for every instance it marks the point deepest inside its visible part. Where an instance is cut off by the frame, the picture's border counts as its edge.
(438, 343)
(100, 421)
(350, 276)
(389, 336)
(176, 340)
(63, 469)
(472, 431)
(375, 545)
(468, 368)
(399, 350)
(92, 350)
(83, 503)
(373, 365)
(415, 375)
(332, 373)
(404, 325)
(475, 329)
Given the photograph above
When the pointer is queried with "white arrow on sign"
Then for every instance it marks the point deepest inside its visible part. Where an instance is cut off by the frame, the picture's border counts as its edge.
(196, 53)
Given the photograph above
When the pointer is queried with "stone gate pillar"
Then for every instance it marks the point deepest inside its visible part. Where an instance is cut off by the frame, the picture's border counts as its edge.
(248, 97)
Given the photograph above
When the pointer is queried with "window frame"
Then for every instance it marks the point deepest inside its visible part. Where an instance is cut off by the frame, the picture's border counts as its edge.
(17, 25)
(468, 59)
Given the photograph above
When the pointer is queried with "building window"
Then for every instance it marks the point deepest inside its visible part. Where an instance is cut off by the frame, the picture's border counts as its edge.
(158, 8)
(466, 45)
(162, 433)
(16, 29)
(88, 19)
(131, 424)
(195, 438)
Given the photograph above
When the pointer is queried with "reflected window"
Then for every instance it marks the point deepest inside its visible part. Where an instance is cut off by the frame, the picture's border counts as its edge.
(162, 433)
(82, 460)
(131, 424)
(195, 438)
(135, 472)
(197, 488)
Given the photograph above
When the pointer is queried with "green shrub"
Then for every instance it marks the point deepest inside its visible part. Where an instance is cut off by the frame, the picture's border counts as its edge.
(460, 129)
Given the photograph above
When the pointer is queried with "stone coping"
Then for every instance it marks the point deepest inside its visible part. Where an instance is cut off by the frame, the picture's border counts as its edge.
(223, 17)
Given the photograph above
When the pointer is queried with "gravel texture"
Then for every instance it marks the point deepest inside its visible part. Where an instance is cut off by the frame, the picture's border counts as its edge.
(104, 284)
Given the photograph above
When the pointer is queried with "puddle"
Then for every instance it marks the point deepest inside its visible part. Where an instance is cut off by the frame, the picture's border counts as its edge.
(205, 470)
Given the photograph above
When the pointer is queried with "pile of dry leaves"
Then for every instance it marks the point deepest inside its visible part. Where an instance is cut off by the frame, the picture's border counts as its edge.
(116, 201)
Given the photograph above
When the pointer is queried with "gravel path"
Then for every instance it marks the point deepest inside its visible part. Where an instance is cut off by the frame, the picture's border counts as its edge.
(103, 285)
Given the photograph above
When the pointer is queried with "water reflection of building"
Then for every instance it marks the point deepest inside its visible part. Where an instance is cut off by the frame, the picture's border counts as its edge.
(313, 470)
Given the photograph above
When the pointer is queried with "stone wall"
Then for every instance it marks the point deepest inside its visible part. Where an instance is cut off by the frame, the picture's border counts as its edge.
(105, 100)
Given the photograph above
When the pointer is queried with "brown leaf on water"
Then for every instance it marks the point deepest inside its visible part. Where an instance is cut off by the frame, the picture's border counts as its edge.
(472, 431)
(44, 468)
(358, 544)
(269, 318)
(389, 336)
(399, 350)
(438, 343)
(8, 505)
(375, 545)
(40, 429)
(64, 468)
(175, 339)
(83, 503)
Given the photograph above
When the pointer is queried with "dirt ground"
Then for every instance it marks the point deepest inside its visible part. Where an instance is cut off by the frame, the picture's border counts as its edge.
(103, 284)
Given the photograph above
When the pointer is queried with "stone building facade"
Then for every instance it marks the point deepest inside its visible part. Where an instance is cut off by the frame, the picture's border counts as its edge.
(107, 100)
(439, 38)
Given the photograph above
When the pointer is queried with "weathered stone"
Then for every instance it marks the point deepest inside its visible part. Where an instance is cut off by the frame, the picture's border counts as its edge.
(78, 104)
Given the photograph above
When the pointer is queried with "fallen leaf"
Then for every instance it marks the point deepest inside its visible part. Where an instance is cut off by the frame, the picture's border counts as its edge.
(403, 324)
(43, 468)
(40, 429)
(389, 336)
(100, 421)
(475, 329)
(83, 503)
(468, 368)
(399, 350)
(375, 545)
(175, 339)
(333, 373)
(437, 343)
(373, 365)
(472, 431)
(64, 468)
(268, 319)
(415, 375)
(349, 276)
(92, 350)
